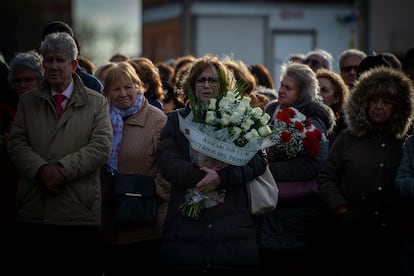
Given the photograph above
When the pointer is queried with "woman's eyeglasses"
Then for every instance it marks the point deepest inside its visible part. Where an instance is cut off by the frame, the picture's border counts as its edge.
(313, 62)
(202, 81)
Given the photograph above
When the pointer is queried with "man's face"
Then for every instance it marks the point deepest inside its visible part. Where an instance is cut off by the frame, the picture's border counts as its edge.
(58, 70)
(349, 69)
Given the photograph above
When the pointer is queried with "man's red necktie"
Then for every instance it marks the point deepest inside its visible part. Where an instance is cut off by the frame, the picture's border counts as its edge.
(58, 101)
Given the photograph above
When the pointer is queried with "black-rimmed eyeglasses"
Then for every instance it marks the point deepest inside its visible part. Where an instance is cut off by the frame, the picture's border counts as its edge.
(202, 81)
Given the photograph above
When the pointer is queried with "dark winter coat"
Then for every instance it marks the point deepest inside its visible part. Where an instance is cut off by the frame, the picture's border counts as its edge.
(361, 166)
(224, 236)
(290, 226)
(360, 172)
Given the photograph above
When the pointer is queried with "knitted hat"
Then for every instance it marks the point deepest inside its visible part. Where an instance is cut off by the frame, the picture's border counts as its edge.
(370, 62)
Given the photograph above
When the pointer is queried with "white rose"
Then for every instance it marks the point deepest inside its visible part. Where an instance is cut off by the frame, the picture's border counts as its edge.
(265, 119)
(210, 116)
(247, 124)
(212, 105)
(241, 108)
(230, 95)
(224, 103)
(251, 135)
(225, 119)
(235, 132)
(265, 131)
(246, 100)
(235, 117)
(257, 112)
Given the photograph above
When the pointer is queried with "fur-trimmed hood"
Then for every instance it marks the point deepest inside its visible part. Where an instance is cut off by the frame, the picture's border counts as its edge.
(385, 82)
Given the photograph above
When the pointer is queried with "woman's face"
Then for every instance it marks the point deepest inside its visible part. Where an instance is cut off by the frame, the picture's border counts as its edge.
(206, 85)
(327, 91)
(123, 93)
(25, 79)
(380, 110)
(288, 92)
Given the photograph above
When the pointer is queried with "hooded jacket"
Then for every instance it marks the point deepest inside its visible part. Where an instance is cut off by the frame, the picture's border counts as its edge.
(361, 166)
(387, 83)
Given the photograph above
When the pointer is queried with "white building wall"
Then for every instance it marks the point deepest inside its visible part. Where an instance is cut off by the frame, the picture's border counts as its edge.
(249, 31)
(391, 25)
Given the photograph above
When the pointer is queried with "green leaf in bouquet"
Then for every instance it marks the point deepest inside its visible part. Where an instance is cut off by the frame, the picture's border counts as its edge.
(195, 105)
(239, 88)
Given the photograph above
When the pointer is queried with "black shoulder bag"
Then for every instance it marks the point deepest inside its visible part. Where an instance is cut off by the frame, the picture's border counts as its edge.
(135, 201)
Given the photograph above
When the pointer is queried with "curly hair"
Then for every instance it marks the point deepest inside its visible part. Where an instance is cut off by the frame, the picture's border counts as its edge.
(341, 90)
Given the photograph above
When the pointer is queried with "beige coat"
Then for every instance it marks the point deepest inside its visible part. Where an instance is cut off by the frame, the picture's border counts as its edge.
(137, 155)
(80, 140)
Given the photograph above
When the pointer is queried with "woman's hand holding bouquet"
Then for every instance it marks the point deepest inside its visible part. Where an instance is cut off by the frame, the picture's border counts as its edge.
(225, 131)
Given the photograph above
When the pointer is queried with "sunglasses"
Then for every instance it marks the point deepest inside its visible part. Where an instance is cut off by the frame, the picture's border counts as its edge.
(348, 69)
(313, 62)
(203, 80)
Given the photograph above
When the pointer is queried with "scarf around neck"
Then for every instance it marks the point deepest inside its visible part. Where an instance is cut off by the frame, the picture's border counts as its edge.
(117, 119)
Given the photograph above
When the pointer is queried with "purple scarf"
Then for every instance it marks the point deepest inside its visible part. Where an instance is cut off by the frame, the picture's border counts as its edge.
(117, 121)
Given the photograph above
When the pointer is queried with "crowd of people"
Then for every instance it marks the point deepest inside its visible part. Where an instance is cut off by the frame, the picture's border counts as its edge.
(67, 126)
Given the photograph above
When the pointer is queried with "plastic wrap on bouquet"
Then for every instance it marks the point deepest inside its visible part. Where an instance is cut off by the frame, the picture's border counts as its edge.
(194, 199)
(217, 144)
(205, 160)
(293, 136)
(212, 148)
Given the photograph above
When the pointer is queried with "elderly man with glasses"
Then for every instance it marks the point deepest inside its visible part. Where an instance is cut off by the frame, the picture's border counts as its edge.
(348, 65)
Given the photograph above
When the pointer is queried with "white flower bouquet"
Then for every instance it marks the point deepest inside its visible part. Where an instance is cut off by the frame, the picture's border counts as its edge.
(226, 131)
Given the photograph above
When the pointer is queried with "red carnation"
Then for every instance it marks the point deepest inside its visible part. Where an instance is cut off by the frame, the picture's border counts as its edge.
(285, 136)
(299, 126)
(283, 116)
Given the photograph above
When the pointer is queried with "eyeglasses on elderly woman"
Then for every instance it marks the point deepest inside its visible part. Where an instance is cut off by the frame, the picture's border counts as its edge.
(203, 80)
(313, 62)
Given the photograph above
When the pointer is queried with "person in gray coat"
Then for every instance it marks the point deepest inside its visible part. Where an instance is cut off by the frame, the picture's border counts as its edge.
(287, 234)
(59, 159)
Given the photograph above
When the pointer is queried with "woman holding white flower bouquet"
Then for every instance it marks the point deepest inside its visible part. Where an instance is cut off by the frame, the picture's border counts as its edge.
(208, 225)
(300, 123)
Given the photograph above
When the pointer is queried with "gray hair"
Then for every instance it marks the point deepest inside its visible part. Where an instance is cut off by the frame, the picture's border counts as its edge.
(349, 53)
(326, 56)
(305, 79)
(59, 42)
(26, 60)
